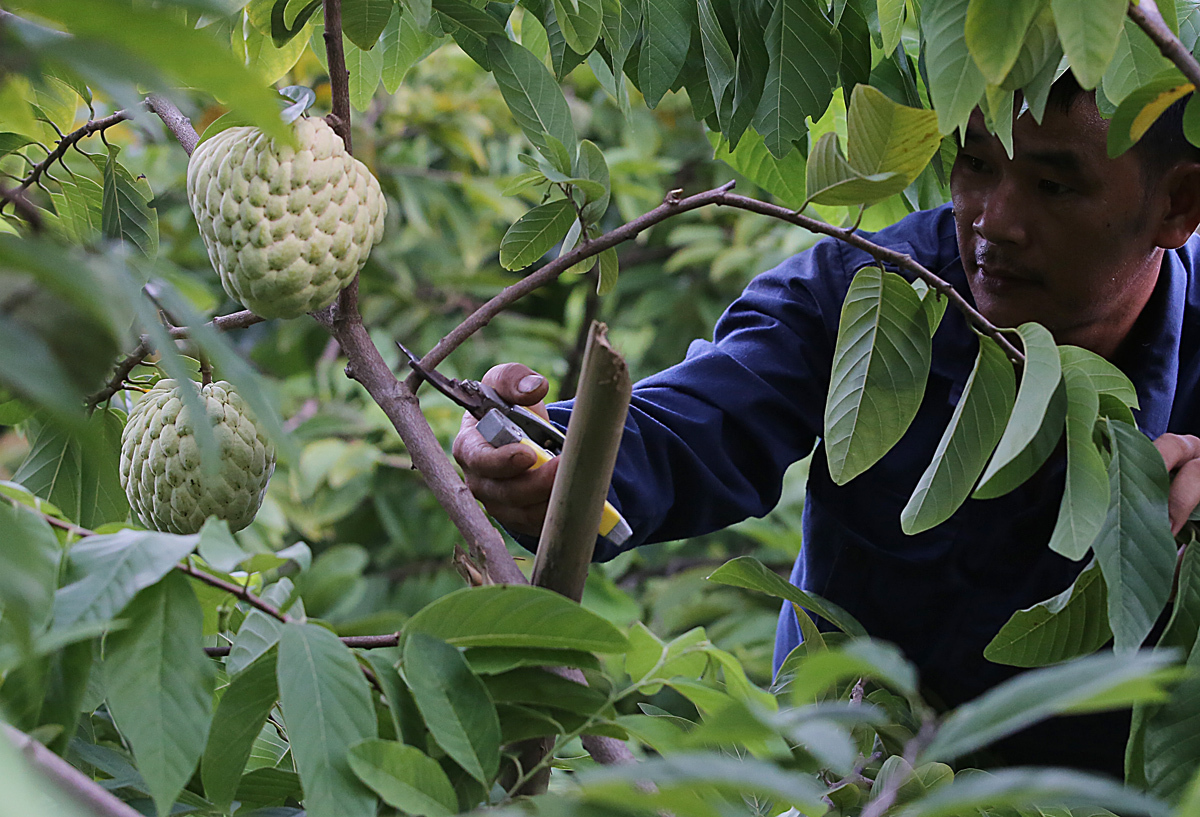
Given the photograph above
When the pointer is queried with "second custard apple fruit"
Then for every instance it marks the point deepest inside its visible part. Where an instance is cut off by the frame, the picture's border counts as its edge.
(161, 472)
(286, 228)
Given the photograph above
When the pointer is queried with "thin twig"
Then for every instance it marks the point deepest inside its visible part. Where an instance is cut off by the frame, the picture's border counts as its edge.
(66, 143)
(673, 205)
(24, 207)
(1148, 18)
(234, 590)
(223, 323)
(358, 642)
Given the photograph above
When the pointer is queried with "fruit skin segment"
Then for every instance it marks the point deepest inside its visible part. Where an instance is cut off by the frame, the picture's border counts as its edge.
(286, 228)
(161, 472)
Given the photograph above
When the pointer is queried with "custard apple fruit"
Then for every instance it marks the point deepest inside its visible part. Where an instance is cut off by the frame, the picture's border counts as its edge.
(286, 228)
(167, 488)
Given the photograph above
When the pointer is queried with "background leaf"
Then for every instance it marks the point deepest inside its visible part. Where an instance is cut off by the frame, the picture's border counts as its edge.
(159, 685)
(240, 716)
(364, 20)
(455, 705)
(327, 709)
(405, 777)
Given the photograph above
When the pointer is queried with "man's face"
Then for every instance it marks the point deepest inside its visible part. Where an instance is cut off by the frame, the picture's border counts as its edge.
(1060, 233)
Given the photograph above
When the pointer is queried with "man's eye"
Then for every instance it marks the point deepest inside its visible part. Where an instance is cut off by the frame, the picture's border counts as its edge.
(1053, 188)
(973, 163)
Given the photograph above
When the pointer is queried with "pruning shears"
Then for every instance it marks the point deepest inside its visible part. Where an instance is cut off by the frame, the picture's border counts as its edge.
(501, 423)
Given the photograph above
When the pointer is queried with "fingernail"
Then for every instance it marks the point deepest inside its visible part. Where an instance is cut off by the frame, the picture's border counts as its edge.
(530, 383)
(521, 458)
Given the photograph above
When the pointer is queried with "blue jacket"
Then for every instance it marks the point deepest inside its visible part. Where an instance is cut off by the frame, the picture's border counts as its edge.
(707, 442)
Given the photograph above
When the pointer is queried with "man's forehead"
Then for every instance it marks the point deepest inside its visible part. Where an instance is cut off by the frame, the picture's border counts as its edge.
(1070, 140)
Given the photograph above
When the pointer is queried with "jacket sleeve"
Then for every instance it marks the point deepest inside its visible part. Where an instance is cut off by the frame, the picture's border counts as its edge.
(707, 441)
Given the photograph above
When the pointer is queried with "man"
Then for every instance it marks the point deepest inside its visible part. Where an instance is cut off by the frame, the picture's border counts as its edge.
(1098, 250)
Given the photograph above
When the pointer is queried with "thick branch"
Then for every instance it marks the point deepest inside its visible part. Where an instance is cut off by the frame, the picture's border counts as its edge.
(674, 205)
(577, 500)
(81, 789)
(1148, 18)
(339, 77)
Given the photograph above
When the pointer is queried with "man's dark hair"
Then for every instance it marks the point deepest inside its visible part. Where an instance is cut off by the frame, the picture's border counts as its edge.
(1160, 148)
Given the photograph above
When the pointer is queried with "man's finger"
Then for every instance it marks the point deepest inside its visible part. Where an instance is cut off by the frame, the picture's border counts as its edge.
(517, 383)
(1177, 449)
(477, 456)
(1185, 494)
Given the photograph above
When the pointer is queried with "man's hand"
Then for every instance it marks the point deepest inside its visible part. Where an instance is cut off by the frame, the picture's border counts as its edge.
(1181, 453)
(500, 477)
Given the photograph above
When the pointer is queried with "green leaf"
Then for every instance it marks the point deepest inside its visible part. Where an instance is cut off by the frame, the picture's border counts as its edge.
(112, 569)
(494, 660)
(592, 165)
(880, 366)
(681, 783)
(891, 23)
(1106, 378)
(886, 137)
(78, 470)
(366, 69)
(455, 705)
(804, 51)
(1139, 110)
(364, 20)
(471, 28)
(1037, 62)
(782, 178)
(127, 213)
(610, 266)
(535, 233)
(666, 34)
(259, 631)
(815, 672)
(11, 142)
(1171, 746)
(535, 99)
(28, 566)
(1029, 788)
(974, 429)
(405, 777)
(402, 45)
(515, 616)
(1135, 548)
(719, 61)
(1184, 625)
(257, 50)
(955, 81)
(1085, 497)
(80, 208)
(1089, 33)
(995, 32)
(1091, 684)
(159, 686)
(748, 572)
(580, 22)
(1036, 417)
(240, 716)
(159, 37)
(280, 33)
(534, 686)
(1136, 63)
(327, 709)
(1073, 623)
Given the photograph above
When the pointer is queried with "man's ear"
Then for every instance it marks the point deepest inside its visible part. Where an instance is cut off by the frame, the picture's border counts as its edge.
(1182, 216)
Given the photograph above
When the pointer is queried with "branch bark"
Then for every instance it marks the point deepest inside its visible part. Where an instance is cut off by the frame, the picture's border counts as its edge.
(178, 124)
(339, 77)
(85, 792)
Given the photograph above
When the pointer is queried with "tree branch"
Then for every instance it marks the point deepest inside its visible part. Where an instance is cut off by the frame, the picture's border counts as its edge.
(339, 77)
(178, 124)
(60, 150)
(222, 323)
(23, 206)
(674, 205)
(83, 791)
(1148, 18)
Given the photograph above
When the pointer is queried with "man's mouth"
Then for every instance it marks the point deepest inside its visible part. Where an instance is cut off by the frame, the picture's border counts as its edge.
(994, 268)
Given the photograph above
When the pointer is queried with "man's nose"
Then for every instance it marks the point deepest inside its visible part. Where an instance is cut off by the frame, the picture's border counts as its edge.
(1002, 218)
